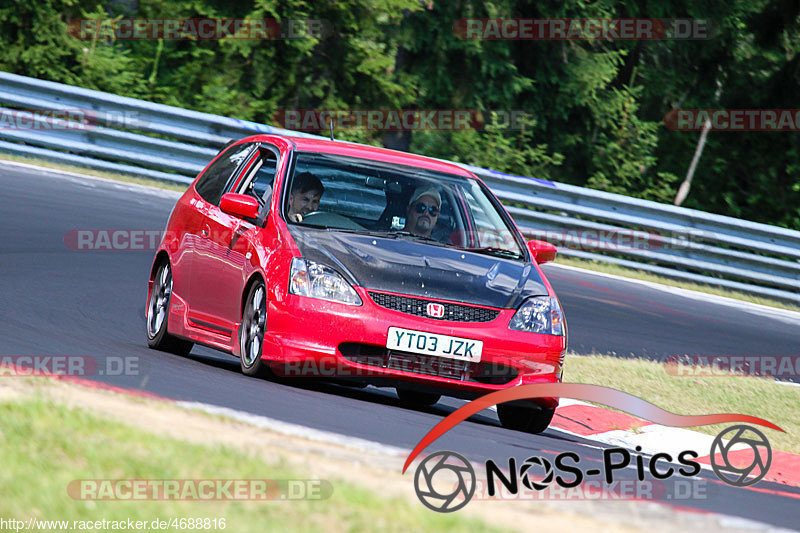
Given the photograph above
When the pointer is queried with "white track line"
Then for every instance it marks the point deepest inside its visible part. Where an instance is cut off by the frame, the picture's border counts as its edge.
(146, 189)
(296, 430)
(785, 315)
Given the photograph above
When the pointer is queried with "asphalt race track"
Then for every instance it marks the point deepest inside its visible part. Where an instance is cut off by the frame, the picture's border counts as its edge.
(56, 301)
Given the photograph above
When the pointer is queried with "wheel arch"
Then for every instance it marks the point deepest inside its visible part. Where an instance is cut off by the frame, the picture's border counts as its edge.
(161, 257)
(255, 277)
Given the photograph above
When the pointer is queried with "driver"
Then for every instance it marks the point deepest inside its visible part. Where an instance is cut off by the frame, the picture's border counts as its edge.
(423, 211)
(304, 198)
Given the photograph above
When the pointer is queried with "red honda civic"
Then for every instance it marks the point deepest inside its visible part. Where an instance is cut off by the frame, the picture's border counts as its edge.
(308, 257)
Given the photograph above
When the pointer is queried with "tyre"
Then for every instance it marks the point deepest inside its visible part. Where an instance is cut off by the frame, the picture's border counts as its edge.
(414, 398)
(158, 314)
(251, 332)
(527, 419)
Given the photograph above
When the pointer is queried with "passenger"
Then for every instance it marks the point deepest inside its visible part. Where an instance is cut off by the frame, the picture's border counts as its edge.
(422, 212)
(304, 198)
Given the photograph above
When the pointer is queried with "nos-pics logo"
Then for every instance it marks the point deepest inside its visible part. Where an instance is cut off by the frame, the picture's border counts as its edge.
(445, 481)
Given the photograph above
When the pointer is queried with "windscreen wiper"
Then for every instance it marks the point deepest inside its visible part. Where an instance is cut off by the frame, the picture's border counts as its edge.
(371, 233)
(492, 250)
(404, 233)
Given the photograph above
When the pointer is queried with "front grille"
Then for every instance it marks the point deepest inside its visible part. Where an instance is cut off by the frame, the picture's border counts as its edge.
(417, 307)
(430, 365)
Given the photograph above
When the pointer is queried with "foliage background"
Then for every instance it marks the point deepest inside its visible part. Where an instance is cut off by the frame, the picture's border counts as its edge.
(596, 107)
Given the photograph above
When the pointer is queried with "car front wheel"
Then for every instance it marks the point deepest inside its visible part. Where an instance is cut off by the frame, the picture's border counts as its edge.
(527, 419)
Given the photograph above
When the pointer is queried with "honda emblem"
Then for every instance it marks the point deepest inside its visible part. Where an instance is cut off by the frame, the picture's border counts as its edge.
(435, 310)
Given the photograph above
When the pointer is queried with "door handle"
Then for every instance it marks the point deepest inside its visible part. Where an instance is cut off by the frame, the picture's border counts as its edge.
(205, 231)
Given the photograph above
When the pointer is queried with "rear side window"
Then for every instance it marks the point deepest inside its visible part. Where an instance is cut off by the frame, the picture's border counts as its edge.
(212, 183)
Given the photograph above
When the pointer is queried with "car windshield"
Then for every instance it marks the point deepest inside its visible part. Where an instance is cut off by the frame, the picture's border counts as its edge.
(358, 195)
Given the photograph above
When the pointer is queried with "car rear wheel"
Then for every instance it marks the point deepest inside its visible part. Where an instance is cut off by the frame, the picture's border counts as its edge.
(417, 399)
(158, 313)
(527, 419)
(251, 332)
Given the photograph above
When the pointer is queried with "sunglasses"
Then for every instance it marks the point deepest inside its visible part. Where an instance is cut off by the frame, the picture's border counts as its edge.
(420, 208)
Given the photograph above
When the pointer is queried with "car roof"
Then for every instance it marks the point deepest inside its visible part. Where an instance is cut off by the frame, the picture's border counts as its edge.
(363, 151)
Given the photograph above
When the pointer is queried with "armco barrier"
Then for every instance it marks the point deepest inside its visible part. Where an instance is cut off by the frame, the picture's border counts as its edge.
(169, 143)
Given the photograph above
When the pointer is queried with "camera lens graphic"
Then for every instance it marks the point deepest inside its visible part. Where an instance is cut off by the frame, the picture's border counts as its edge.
(541, 463)
(740, 438)
(445, 482)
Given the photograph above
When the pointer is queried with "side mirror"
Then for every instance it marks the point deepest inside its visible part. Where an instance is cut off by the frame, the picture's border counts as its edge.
(239, 205)
(542, 251)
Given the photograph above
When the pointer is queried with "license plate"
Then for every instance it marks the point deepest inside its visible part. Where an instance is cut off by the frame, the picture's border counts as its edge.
(409, 340)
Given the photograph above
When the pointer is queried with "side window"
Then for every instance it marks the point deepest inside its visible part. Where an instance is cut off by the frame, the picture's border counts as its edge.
(213, 181)
(260, 179)
(332, 193)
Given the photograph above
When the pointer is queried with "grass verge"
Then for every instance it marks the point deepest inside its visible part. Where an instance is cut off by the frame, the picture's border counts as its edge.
(686, 395)
(608, 268)
(46, 445)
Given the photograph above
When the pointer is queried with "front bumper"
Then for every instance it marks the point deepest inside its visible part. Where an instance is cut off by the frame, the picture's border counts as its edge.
(314, 338)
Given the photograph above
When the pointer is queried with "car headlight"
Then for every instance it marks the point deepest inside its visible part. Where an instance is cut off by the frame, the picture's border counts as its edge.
(314, 280)
(541, 314)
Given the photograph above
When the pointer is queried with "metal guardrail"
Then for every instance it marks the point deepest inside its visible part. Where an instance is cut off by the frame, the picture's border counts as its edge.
(120, 129)
(138, 137)
(663, 239)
